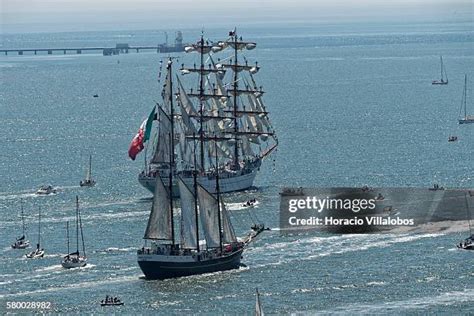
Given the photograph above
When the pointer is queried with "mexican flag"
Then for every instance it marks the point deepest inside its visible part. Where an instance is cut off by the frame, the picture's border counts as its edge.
(138, 142)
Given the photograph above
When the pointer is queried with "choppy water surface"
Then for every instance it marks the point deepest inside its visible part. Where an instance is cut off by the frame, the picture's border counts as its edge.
(351, 108)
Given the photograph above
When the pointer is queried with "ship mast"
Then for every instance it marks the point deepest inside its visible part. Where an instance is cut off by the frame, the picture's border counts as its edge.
(218, 195)
(82, 233)
(465, 96)
(201, 103)
(196, 198)
(22, 217)
(235, 87)
(169, 67)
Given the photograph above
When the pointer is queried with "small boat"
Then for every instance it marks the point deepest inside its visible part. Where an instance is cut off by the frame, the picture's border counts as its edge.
(111, 301)
(21, 242)
(250, 203)
(443, 80)
(436, 187)
(74, 259)
(467, 118)
(452, 138)
(96, 95)
(46, 190)
(88, 181)
(38, 252)
(258, 304)
(468, 243)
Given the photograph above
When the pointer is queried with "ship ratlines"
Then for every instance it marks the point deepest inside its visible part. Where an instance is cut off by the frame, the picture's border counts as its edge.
(226, 107)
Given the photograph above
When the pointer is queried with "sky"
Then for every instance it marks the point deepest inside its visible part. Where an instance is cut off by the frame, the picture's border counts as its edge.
(25, 16)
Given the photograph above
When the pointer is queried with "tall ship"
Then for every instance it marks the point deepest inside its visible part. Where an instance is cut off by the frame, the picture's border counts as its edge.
(225, 107)
(175, 249)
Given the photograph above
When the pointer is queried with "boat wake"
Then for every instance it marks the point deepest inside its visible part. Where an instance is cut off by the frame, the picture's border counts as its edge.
(80, 285)
(317, 247)
(17, 196)
(403, 306)
(116, 249)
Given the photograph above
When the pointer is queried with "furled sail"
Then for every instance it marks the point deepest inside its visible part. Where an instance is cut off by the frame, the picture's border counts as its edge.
(159, 222)
(228, 234)
(188, 216)
(208, 212)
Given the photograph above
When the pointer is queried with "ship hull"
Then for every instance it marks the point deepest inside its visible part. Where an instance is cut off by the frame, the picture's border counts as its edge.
(230, 184)
(155, 268)
(466, 121)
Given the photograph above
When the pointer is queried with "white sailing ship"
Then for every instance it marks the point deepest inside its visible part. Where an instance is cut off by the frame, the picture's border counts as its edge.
(227, 107)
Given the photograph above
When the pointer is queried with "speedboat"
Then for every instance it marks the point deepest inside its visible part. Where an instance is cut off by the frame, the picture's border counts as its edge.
(452, 138)
(45, 190)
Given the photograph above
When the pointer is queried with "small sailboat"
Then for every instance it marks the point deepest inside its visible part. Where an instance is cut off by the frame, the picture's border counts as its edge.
(258, 304)
(74, 259)
(466, 119)
(468, 243)
(21, 242)
(38, 252)
(88, 182)
(444, 75)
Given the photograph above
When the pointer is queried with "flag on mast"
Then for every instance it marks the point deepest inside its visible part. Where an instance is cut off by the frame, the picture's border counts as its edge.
(138, 142)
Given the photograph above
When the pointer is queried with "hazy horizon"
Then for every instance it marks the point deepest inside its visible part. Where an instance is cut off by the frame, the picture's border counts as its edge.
(32, 16)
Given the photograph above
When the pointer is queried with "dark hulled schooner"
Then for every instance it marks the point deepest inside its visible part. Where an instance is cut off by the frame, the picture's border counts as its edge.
(227, 106)
(202, 213)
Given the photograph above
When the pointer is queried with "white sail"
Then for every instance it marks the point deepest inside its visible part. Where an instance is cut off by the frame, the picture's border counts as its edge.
(228, 233)
(208, 212)
(246, 148)
(162, 149)
(188, 216)
(185, 101)
(159, 222)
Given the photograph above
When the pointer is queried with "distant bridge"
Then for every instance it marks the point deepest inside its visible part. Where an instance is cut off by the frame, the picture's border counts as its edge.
(106, 51)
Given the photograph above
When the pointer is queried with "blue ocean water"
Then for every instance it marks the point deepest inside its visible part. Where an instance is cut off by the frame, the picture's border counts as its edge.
(352, 105)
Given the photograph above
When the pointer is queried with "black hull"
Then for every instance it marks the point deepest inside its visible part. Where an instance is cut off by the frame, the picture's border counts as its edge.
(159, 270)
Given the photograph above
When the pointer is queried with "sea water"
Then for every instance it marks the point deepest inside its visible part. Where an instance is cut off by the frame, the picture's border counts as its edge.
(352, 105)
